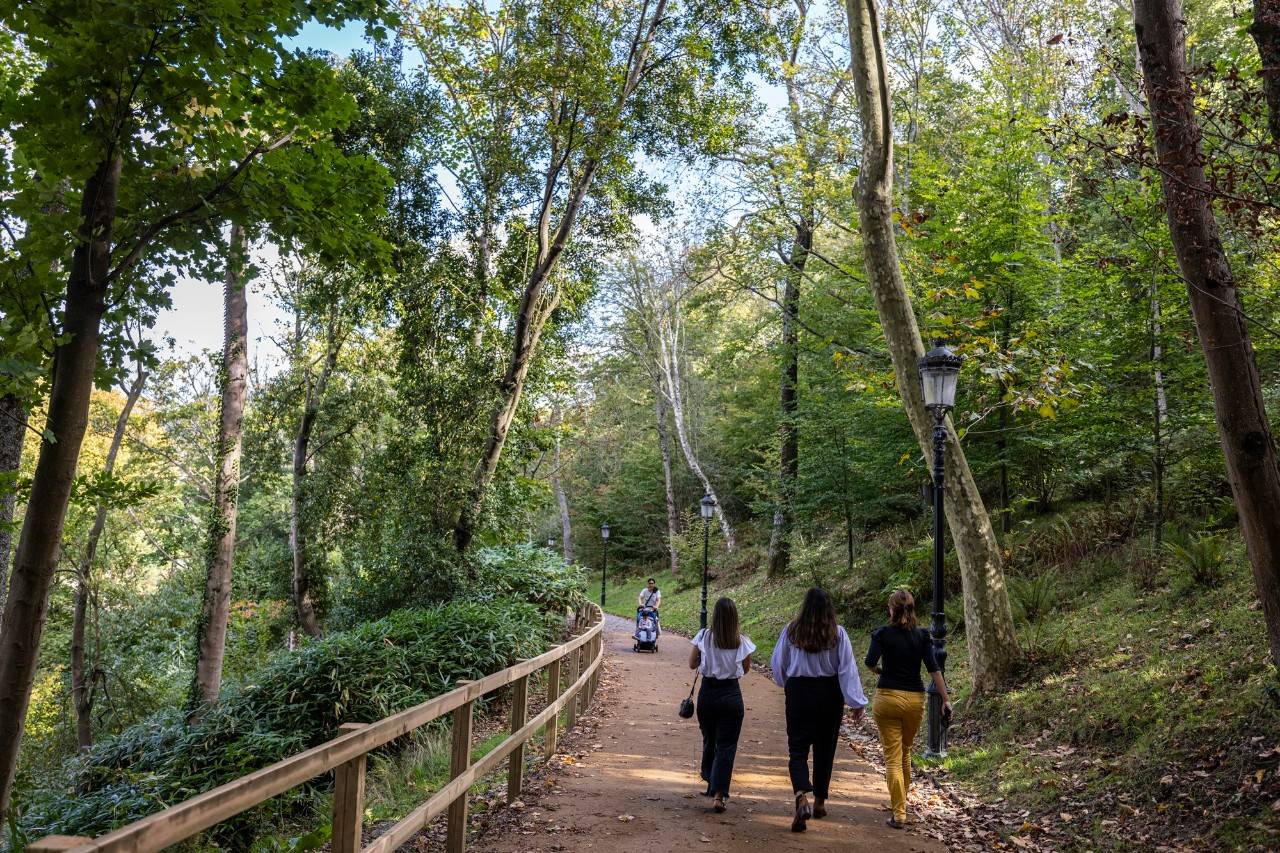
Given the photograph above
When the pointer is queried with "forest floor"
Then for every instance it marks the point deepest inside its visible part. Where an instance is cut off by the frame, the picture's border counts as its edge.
(627, 778)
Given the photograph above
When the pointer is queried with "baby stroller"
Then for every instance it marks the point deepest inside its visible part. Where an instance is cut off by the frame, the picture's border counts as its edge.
(647, 631)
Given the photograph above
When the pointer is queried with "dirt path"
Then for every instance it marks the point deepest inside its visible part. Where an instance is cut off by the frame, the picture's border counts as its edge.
(628, 779)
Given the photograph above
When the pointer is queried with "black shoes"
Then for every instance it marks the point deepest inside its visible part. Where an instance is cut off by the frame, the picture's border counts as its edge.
(803, 813)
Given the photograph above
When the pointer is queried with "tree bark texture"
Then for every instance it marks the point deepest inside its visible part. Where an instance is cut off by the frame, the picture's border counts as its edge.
(220, 549)
(74, 362)
(1266, 33)
(989, 631)
(789, 399)
(664, 446)
(13, 431)
(82, 681)
(1243, 429)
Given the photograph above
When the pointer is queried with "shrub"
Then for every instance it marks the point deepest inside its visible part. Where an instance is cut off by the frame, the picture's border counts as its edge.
(1032, 598)
(530, 574)
(1201, 557)
(297, 701)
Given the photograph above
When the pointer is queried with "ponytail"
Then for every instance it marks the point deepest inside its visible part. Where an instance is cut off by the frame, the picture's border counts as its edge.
(902, 610)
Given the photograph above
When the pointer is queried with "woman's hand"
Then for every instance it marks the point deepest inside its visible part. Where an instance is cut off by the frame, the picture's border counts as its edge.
(858, 714)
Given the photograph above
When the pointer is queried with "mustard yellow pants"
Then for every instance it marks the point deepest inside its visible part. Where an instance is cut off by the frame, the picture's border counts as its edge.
(897, 714)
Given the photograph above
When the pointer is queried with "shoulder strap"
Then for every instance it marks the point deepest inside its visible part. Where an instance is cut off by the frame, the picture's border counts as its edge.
(695, 681)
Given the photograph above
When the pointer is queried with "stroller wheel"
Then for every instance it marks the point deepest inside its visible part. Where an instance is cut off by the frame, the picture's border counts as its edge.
(635, 647)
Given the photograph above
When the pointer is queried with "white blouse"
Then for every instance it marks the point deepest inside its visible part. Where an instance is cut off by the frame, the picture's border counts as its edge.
(718, 662)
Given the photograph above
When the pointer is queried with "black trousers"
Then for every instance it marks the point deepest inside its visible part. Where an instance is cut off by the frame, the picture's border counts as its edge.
(720, 713)
(815, 707)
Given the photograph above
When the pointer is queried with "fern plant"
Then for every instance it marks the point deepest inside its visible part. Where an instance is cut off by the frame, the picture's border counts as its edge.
(1034, 597)
(1202, 557)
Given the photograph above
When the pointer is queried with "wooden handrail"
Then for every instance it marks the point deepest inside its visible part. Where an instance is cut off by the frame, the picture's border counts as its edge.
(180, 822)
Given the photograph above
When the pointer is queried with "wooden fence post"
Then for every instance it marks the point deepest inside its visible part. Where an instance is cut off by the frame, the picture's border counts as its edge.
(596, 647)
(588, 653)
(459, 761)
(574, 657)
(519, 716)
(553, 724)
(348, 800)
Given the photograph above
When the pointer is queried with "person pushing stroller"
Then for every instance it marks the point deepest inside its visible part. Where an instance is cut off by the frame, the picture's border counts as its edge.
(647, 629)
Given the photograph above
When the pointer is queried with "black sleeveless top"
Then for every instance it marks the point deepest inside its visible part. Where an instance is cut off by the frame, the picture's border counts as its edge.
(903, 651)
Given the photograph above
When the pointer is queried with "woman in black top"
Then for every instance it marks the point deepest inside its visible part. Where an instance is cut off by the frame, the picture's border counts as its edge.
(897, 652)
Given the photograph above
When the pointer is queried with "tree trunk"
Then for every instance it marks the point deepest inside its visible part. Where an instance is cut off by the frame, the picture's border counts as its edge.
(1243, 429)
(1266, 32)
(788, 432)
(1160, 414)
(220, 550)
(74, 360)
(664, 445)
(536, 307)
(13, 430)
(669, 358)
(989, 632)
(304, 581)
(562, 501)
(82, 681)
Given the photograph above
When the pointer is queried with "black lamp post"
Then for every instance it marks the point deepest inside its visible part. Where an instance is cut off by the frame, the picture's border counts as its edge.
(939, 370)
(708, 510)
(604, 565)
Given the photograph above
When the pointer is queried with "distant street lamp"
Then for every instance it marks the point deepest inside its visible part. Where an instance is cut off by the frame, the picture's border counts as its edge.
(708, 510)
(939, 369)
(604, 565)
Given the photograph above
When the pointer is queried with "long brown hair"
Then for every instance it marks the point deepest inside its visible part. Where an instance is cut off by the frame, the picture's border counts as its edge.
(724, 625)
(902, 610)
(814, 630)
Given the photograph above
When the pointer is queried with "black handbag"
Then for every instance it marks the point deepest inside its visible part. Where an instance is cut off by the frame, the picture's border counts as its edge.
(686, 704)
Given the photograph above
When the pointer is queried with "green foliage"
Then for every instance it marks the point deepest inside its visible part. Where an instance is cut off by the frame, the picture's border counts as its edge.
(1033, 597)
(1202, 557)
(297, 701)
(531, 574)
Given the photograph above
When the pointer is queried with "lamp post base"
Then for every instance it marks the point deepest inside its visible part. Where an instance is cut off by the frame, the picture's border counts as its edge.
(936, 742)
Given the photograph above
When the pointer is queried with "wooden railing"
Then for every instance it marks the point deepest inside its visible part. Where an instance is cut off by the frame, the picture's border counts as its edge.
(576, 662)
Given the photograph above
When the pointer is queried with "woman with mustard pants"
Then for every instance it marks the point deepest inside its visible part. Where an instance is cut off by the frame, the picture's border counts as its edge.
(897, 652)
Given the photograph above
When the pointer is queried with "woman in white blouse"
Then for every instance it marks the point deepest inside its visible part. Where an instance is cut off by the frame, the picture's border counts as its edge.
(721, 655)
(813, 664)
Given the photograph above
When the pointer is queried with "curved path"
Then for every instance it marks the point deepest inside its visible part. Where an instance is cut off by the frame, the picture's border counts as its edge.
(628, 778)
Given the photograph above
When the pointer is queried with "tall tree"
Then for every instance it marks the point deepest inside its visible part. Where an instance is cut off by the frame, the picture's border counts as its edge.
(557, 486)
(13, 430)
(1243, 428)
(814, 93)
(989, 630)
(575, 133)
(653, 292)
(83, 681)
(220, 548)
(1266, 33)
(153, 132)
(306, 584)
